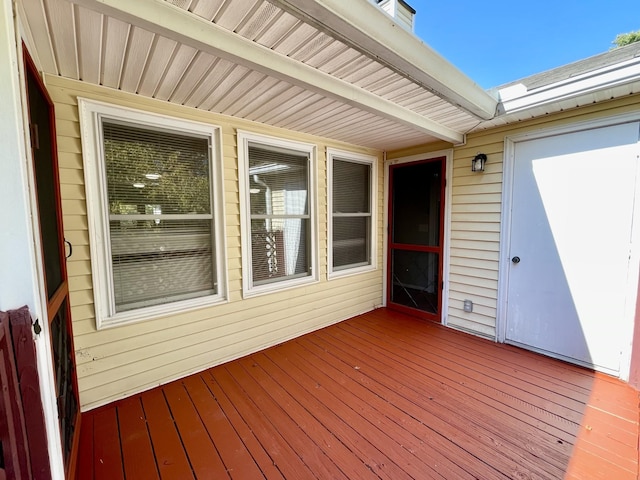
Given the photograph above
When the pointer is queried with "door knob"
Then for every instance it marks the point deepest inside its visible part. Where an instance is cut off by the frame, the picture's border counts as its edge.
(515, 259)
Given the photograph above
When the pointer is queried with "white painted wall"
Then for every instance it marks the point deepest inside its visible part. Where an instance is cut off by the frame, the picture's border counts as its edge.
(20, 281)
(17, 282)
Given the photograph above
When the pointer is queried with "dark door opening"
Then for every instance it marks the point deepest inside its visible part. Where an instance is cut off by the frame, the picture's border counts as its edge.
(416, 233)
(45, 163)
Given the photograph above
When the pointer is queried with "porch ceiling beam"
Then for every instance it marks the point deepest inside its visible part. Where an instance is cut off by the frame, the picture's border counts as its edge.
(165, 19)
(373, 32)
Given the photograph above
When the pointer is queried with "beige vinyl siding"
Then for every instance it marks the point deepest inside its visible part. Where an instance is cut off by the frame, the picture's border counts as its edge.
(116, 362)
(476, 208)
(475, 238)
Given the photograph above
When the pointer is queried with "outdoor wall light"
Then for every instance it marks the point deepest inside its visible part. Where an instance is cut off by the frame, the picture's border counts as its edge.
(477, 164)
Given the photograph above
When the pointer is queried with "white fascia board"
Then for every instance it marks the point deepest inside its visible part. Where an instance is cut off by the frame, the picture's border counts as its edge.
(165, 19)
(372, 31)
(517, 98)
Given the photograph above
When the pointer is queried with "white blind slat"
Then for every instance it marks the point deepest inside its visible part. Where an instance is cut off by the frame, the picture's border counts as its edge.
(279, 206)
(161, 226)
(351, 225)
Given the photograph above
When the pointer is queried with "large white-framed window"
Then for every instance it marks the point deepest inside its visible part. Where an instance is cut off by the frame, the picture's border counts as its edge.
(155, 211)
(351, 180)
(277, 208)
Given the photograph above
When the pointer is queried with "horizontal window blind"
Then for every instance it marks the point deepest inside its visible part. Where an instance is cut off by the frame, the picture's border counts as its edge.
(280, 219)
(351, 216)
(160, 215)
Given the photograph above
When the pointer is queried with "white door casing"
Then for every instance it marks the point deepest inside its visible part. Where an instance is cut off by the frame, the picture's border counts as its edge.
(568, 212)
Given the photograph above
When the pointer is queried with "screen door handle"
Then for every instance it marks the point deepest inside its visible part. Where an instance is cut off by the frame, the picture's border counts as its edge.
(515, 260)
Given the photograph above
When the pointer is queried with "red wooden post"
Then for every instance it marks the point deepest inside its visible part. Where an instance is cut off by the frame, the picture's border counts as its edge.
(12, 430)
(27, 371)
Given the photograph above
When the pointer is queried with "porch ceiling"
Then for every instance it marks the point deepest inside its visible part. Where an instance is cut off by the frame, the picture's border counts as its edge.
(324, 71)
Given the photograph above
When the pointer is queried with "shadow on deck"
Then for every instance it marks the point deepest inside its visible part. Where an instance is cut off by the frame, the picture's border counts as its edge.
(381, 395)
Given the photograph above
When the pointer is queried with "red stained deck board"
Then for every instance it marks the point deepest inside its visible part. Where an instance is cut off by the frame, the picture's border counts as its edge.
(345, 422)
(245, 434)
(282, 391)
(516, 360)
(84, 467)
(171, 458)
(272, 437)
(410, 444)
(438, 372)
(202, 453)
(307, 447)
(234, 455)
(107, 461)
(137, 451)
(502, 429)
(566, 407)
(382, 395)
(463, 439)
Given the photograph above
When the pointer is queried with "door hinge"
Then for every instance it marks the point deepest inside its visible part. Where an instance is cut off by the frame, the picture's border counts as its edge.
(35, 136)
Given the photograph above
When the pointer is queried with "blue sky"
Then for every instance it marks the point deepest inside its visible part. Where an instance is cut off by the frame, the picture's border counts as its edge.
(499, 41)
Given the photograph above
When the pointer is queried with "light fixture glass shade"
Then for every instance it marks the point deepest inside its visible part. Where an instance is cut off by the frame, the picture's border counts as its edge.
(477, 164)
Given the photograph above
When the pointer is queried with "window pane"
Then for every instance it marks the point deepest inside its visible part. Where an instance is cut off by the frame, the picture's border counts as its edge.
(278, 181)
(415, 279)
(351, 184)
(146, 167)
(416, 204)
(152, 174)
(158, 261)
(351, 241)
(279, 249)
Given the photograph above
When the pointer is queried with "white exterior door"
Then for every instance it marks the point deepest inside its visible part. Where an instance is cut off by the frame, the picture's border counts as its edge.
(571, 222)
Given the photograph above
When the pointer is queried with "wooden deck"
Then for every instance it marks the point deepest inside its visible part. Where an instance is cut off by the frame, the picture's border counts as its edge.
(381, 395)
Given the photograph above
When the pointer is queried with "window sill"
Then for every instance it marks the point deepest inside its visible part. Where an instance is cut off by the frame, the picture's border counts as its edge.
(156, 312)
(349, 272)
(277, 287)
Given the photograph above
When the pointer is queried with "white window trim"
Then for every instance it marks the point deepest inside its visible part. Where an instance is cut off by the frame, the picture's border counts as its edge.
(248, 288)
(98, 218)
(373, 189)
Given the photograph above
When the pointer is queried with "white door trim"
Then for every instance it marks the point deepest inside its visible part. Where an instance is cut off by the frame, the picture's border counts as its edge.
(24, 242)
(446, 248)
(506, 223)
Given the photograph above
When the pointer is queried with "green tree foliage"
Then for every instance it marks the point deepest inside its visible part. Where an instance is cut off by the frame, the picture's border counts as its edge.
(623, 39)
(181, 165)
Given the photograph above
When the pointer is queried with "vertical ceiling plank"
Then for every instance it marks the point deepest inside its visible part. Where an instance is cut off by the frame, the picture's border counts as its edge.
(293, 40)
(39, 28)
(267, 88)
(162, 51)
(280, 28)
(260, 21)
(286, 92)
(232, 13)
(246, 87)
(192, 77)
(114, 47)
(224, 87)
(208, 87)
(138, 51)
(182, 58)
(207, 8)
(89, 34)
(62, 28)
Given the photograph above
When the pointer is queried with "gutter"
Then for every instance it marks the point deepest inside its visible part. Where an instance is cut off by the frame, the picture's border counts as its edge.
(517, 98)
(372, 32)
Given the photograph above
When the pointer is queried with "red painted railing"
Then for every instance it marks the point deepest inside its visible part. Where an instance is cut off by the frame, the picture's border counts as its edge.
(24, 449)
